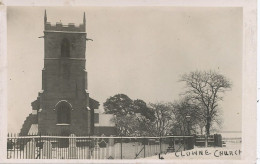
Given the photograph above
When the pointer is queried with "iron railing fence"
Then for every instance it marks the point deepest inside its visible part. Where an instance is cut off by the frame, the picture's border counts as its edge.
(93, 147)
(232, 139)
(213, 140)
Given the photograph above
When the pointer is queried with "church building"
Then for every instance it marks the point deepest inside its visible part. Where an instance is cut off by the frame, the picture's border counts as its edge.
(63, 106)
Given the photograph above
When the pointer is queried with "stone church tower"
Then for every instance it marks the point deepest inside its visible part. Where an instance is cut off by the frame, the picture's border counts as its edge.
(63, 106)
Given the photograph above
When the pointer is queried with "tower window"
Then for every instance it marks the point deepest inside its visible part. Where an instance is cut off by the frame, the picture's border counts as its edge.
(63, 112)
(65, 48)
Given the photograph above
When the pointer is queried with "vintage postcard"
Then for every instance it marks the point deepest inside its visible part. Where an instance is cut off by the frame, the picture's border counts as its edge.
(132, 82)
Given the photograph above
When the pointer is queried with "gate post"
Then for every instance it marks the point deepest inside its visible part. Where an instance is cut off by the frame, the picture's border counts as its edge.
(144, 146)
(121, 148)
(72, 147)
(160, 145)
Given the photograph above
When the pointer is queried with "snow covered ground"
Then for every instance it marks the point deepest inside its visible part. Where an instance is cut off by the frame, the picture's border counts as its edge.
(231, 151)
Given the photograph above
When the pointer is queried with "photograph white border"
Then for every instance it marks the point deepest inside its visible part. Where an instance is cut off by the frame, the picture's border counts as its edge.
(249, 71)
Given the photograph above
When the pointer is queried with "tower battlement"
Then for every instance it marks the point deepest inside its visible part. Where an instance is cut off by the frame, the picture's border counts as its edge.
(60, 27)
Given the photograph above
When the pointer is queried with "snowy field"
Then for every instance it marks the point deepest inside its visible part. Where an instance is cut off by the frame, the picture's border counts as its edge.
(231, 151)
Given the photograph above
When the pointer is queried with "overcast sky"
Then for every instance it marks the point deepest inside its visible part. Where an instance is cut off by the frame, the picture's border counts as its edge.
(138, 51)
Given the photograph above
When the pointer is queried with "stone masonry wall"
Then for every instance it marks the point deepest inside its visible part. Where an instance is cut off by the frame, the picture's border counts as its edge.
(64, 78)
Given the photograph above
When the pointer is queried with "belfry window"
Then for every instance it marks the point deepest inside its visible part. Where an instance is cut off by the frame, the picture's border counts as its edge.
(65, 48)
(63, 112)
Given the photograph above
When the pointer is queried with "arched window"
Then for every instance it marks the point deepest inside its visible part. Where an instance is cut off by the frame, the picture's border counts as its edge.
(65, 48)
(63, 109)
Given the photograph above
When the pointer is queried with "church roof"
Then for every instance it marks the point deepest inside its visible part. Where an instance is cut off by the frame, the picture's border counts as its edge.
(33, 129)
(105, 120)
(93, 104)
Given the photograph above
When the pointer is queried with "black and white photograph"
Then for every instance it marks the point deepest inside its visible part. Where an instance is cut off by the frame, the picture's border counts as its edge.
(125, 83)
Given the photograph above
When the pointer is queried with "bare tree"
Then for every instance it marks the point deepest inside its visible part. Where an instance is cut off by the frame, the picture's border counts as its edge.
(183, 108)
(163, 118)
(126, 125)
(146, 127)
(206, 89)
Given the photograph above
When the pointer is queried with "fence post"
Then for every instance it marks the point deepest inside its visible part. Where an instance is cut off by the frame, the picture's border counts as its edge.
(40, 144)
(7, 145)
(220, 140)
(206, 140)
(72, 149)
(89, 149)
(144, 141)
(173, 140)
(121, 148)
(194, 140)
(160, 145)
(14, 144)
(184, 143)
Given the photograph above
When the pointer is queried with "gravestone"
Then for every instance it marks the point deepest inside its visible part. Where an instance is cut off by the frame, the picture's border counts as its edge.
(72, 147)
(47, 150)
(111, 141)
(111, 149)
(102, 144)
(29, 149)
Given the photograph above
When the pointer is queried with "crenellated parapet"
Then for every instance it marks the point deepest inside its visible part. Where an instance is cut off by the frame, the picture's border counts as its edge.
(60, 27)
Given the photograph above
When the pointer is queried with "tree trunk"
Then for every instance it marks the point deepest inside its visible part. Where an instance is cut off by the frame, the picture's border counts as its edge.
(207, 131)
(207, 128)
